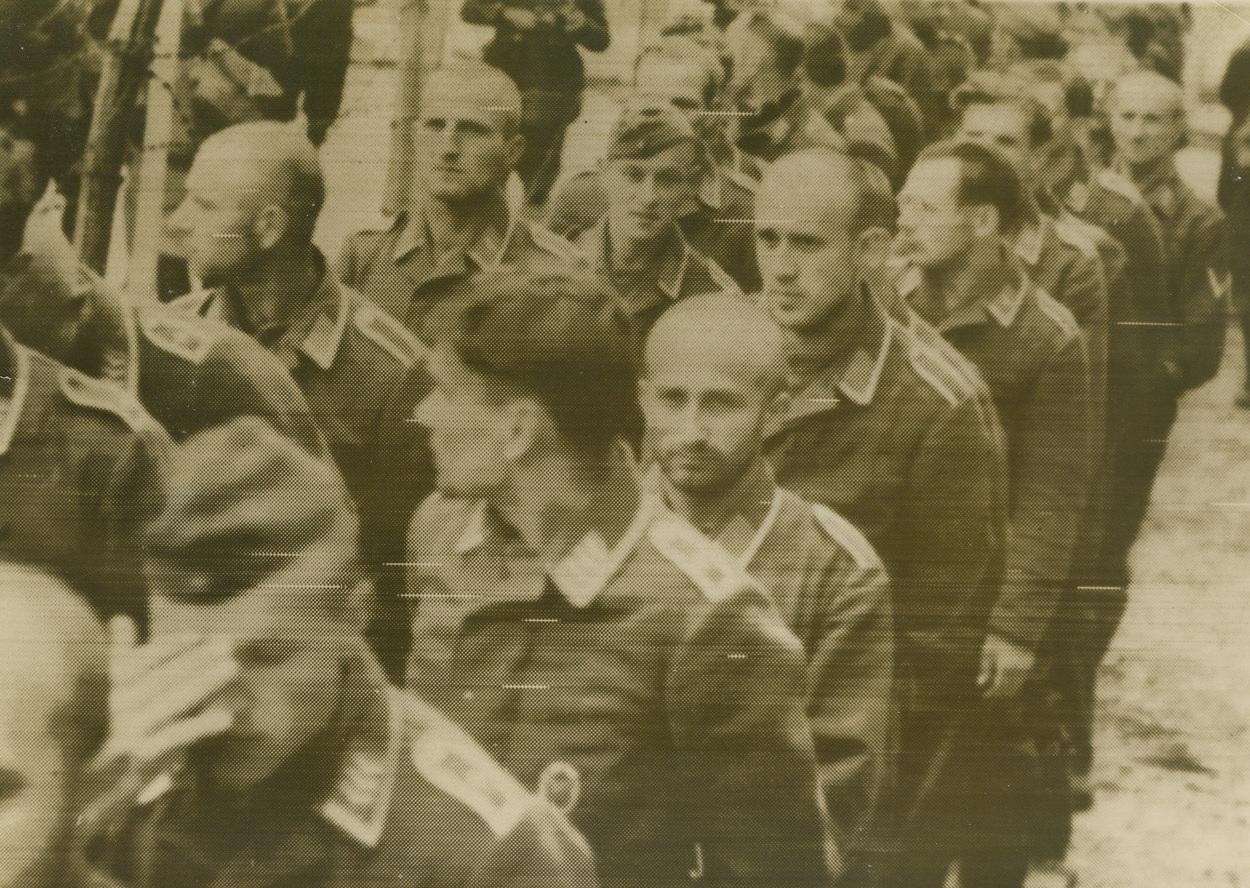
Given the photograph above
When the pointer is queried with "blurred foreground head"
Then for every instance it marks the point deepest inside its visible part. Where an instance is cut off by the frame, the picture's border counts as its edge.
(53, 716)
(257, 545)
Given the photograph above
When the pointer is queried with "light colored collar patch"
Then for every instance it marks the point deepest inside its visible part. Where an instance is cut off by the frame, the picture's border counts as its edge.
(588, 567)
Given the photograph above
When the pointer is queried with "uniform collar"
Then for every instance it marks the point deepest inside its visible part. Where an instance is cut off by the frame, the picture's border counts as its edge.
(749, 509)
(360, 797)
(317, 330)
(669, 272)
(1158, 183)
(1003, 307)
(11, 412)
(1028, 241)
(856, 379)
(586, 568)
(486, 245)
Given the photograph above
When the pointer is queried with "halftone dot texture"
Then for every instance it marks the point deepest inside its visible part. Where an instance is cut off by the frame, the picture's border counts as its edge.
(241, 491)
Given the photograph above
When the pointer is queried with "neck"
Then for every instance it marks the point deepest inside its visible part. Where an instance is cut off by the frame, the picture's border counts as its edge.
(632, 253)
(976, 278)
(280, 285)
(450, 222)
(711, 510)
(1147, 168)
(827, 343)
(563, 498)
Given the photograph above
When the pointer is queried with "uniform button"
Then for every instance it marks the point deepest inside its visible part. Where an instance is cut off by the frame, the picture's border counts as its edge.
(468, 695)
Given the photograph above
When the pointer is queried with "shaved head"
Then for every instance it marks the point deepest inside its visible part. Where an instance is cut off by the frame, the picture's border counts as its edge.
(712, 377)
(474, 89)
(822, 228)
(1148, 86)
(53, 714)
(726, 332)
(273, 162)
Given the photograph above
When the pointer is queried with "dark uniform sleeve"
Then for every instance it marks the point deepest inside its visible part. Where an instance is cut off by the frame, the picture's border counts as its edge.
(735, 700)
(948, 548)
(135, 495)
(541, 851)
(1138, 232)
(1200, 302)
(322, 37)
(1050, 474)
(850, 672)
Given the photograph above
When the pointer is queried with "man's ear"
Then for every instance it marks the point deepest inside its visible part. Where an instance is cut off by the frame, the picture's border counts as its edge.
(985, 221)
(522, 428)
(270, 226)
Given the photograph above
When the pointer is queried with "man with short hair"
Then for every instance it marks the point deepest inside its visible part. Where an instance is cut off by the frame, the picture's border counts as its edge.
(253, 738)
(713, 375)
(599, 647)
(1148, 127)
(889, 428)
(717, 219)
(959, 204)
(254, 194)
(650, 173)
(53, 719)
(468, 141)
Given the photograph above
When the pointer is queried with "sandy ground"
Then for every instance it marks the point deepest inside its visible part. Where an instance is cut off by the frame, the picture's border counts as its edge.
(1173, 736)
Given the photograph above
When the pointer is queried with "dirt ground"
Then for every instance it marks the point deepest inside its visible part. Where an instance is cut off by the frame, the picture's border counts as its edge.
(1172, 775)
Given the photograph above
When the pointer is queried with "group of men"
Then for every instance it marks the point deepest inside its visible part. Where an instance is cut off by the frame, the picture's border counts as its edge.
(760, 516)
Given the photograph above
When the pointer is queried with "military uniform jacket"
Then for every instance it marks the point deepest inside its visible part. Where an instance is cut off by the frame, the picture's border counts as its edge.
(1198, 273)
(398, 270)
(904, 443)
(353, 363)
(193, 374)
(80, 474)
(650, 687)
(678, 273)
(1114, 204)
(719, 224)
(1029, 351)
(832, 591)
(412, 801)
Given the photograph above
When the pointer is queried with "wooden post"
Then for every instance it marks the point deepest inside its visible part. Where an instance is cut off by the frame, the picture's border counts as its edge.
(149, 221)
(124, 74)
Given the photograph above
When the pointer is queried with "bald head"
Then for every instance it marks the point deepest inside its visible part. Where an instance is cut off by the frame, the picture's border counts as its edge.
(53, 714)
(712, 377)
(829, 186)
(471, 90)
(275, 163)
(728, 333)
(1147, 117)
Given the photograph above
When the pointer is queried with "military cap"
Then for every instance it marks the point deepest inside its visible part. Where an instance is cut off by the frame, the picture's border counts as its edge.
(1028, 22)
(647, 126)
(240, 495)
(554, 334)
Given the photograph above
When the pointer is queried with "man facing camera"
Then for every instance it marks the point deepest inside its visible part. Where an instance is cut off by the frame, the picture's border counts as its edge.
(713, 375)
(651, 173)
(254, 740)
(603, 650)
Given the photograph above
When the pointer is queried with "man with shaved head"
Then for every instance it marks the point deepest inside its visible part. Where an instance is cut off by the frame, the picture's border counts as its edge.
(53, 718)
(458, 223)
(891, 429)
(253, 196)
(713, 376)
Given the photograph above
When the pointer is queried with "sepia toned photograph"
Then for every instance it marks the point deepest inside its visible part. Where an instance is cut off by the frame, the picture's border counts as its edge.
(624, 444)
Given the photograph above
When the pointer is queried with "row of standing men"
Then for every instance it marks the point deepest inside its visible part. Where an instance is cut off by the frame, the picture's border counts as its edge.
(899, 449)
